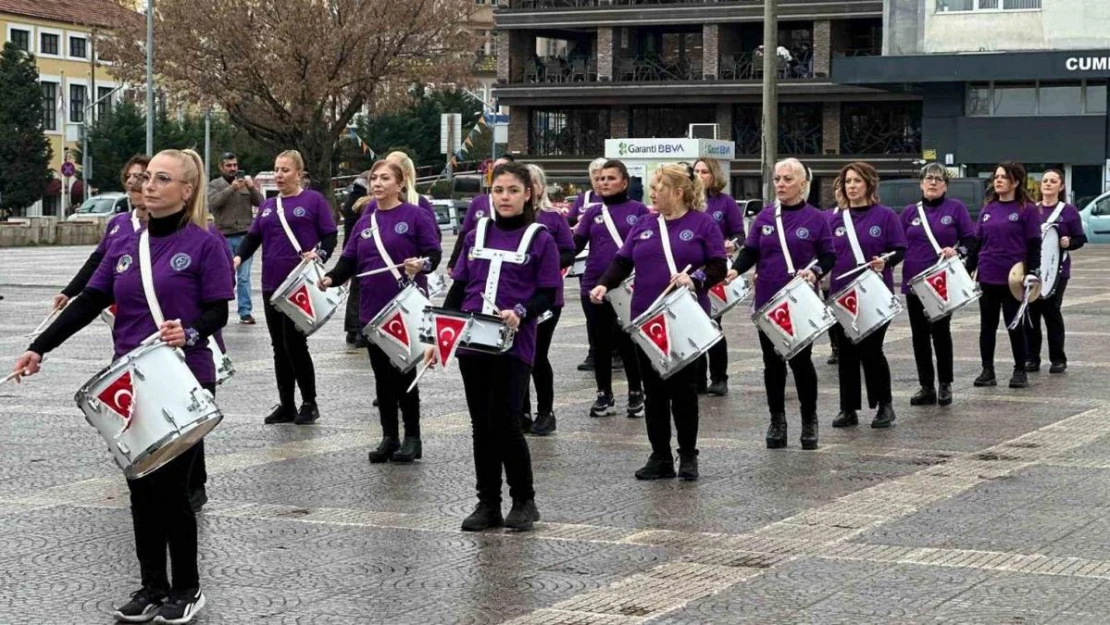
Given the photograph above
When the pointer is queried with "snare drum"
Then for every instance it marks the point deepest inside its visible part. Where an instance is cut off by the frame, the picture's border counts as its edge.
(675, 333)
(395, 326)
(793, 318)
(224, 368)
(724, 297)
(620, 299)
(482, 333)
(864, 306)
(944, 288)
(152, 388)
(108, 316)
(437, 284)
(579, 267)
(1052, 259)
(301, 299)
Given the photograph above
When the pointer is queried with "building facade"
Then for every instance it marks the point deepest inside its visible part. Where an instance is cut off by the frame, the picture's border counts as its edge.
(575, 72)
(1022, 80)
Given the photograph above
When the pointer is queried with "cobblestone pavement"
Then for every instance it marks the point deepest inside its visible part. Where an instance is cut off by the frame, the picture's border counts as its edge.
(990, 511)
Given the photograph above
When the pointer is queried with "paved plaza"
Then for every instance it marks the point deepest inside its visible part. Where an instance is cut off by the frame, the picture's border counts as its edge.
(990, 511)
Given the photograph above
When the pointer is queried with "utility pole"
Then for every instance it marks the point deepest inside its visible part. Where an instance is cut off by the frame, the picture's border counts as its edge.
(207, 140)
(770, 130)
(150, 77)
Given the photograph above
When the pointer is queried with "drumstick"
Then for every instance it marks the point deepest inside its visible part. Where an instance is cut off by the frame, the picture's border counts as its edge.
(860, 268)
(427, 365)
(42, 326)
(11, 376)
(670, 287)
(490, 302)
(384, 269)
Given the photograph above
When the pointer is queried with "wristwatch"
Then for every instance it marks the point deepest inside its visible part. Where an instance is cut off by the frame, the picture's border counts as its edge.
(520, 311)
(192, 337)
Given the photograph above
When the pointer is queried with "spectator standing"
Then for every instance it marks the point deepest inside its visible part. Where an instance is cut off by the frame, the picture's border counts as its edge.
(232, 199)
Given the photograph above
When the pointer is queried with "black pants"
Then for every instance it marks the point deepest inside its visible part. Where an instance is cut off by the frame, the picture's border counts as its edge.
(675, 397)
(1049, 310)
(601, 320)
(997, 297)
(774, 377)
(542, 373)
(350, 315)
(494, 388)
(928, 335)
(714, 362)
(585, 300)
(292, 363)
(163, 517)
(390, 385)
(876, 370)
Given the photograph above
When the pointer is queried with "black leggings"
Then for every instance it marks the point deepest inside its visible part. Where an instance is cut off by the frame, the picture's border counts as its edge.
(1049, 310)
(601, 321)
(675, 397)
(997, 297)
(292, 363)
(350, 314)
(774, 377)
(542, 373)
(390, 385)
(876, 370)
(714, 362)
(494, 388)
(928, 335)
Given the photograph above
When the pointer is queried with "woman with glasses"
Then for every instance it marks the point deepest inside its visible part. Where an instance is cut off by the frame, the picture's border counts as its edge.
(951, 227)
(192, 282)
(310, 220)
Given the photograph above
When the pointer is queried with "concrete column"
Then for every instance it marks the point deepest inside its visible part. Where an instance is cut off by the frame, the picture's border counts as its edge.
(513, 48)
(724, 122)
(828, 197)
(710, 49)
(518, 129)
(830, 128)
(618, 122)
(605, 52)
(822, 48)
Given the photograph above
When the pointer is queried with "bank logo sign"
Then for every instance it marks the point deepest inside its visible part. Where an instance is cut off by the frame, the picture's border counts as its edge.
(669, 149)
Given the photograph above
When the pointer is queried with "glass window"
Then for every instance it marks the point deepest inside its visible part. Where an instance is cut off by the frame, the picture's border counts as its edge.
(667, 122)
(102, 106)
(48, 44)
(568, 132)
(1015, 100)
(49, 106)
(1061, 99)
(77, 96)
(988, 4)
(21, 38)
(1096, 99)
(1015, 5)
(77, 47)
(955, 5)
(978, 100)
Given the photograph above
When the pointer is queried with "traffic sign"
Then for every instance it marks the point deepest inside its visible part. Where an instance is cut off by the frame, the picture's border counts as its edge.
(68, 170)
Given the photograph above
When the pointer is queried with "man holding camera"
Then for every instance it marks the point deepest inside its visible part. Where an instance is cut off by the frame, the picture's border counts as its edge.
(232, 198)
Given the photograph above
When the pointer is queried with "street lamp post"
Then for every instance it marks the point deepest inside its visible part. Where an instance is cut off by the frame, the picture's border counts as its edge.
(150, 77)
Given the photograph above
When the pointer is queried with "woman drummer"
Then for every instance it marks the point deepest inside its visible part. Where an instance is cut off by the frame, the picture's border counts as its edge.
(310, 219)
(952, 228)
(193, 283)
(407, 233)
(809, 242)
(879, 233)
(616, 214)
(726, 214)
(479, 208)
(1069, 227)
(695, 241)
(542, 373)
(494, 384)
(1009, 232)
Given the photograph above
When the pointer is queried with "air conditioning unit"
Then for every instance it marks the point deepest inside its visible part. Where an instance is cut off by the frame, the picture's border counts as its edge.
(702, 131)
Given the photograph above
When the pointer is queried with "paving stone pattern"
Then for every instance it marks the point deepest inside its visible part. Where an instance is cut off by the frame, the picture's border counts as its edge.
(991, 511)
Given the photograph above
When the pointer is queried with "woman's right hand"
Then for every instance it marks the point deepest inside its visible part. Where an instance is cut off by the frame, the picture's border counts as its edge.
(235, 262)
(948, 252)
(430, 356)
(324, 283)
(731, 275)
(60, 301)
(597, 294)
(27, 364)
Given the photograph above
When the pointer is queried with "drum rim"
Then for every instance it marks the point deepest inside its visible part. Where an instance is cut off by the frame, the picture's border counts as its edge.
(215, 416)
(451, 312)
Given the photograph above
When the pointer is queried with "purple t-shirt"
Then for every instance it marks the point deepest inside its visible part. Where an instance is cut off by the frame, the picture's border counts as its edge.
(949, 222)
(310, 219)
(422, 203)
(724, 210)
(190, 267)
(1004, 229)
(878, 230)
(212, 229)
(603, 249)
(1068, 224)
(479, 208)
(807, 236)
(695, 240)
(560, 230)
(518, 283)
(119, 227)
(406, 231)
(581, 203)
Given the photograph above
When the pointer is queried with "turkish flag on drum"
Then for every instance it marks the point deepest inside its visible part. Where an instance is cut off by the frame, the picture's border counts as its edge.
(780, 316)
(302, 300)
(939, 283)
(718, 291)
(448, 332)
(119, 397)
(849, 302)
(656, 330)
(395, 329)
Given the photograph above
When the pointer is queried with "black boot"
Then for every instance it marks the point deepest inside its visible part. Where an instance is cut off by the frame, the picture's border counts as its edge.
(926, 396)
(308, 414)
(944, 397)
(522, 515)
(718, 388)
(884, 418)
(846, 419)
(485, 516)
(776, 432)
(834, 357)
(809, 431)
(410, 450)
(281, 414)
(986, 378)
(1033, 366)
(688, 465)
(385, 450)
(658, 467)
(544, 424)
(1058, 367)
(1020, 379)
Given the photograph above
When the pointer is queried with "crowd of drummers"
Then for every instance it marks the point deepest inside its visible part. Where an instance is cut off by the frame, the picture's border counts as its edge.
(653, 283)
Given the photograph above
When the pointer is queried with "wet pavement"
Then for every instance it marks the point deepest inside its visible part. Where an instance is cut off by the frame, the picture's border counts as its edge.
(992, 510)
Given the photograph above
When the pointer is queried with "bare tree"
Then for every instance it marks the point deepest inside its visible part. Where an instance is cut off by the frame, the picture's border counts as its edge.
(294, 73)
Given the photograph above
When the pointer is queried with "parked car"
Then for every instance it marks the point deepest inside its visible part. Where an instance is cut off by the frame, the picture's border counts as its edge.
(899, 194)
(1096, 219)
(449, 214)
(102, 206)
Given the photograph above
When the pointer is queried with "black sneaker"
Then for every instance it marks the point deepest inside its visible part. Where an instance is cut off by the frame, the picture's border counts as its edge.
(884, 417)
(197, 498)
(544, 424)
(142, 608)
(986, 378)
(247, 320)
(1020, 379)
(925, 396)
(360, 342)
(526, 424)
(281, 414)
(688, 466)
(604, 406)
(1058, 367)
(846, 419)
(944, 395)
(657, 468)
(635, 404)
(587, 364)
(522, 516)
(308, 414)
(180, 607)
(1033, 366)
(718, 388)
(484, 517)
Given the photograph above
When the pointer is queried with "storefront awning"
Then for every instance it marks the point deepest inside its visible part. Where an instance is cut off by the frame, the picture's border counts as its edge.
(1003, 66)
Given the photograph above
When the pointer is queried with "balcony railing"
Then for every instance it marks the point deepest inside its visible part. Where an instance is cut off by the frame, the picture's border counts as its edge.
(648, 69)
(749, 66)
(485, 64)
(558, 69)
(573, 4)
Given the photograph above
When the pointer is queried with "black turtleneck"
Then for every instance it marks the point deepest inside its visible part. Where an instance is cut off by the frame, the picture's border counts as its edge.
(934, 202)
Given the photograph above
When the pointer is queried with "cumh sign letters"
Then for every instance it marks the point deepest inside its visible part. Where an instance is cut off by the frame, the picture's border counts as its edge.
(1087, 63)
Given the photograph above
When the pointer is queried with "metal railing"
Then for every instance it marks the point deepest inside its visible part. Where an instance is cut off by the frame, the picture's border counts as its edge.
(653, 69)
(749, 66)
(554, 70)
(574, 4)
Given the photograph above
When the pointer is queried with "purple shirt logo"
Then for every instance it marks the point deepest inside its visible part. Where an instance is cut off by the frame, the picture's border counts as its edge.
(840, 231)
(123, 264)
(266, 213)
(646, 234)
(986, 216)
(917, 221)
(875, 231)
(686, 235)
(768, 230)
(946, 220)
(367, 233)
(802, 233)
(478, 214)
(115, 229)
(631, 219)
(181, 261)
(599, 219)
(718, 215)
(1013, 216)
(299, 212)
(401, 227)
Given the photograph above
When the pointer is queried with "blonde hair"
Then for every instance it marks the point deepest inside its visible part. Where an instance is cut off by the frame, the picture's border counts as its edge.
(682, 178)
(539, 188)
(192, 173)
(408, 168)
(597, 164)
(799, 170)
(361, 203)
(715, 171)
(294, 156)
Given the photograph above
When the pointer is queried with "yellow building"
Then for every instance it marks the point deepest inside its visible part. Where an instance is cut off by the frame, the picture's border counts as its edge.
(62, 36)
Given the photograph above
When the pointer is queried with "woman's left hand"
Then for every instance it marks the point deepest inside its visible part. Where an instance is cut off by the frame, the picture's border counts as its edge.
(730, 247)
(173, 333)
(948, 252)
(682, 279)
(310, 255)
(510, 318)
(1065, 243)
(877, 264)
(414, 266)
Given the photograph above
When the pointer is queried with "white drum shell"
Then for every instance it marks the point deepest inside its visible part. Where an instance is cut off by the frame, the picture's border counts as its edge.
(962, 290)
(691, 332)
(875, 306)
(484, 334)
(809, 315)
(1052, 259)
(620, 299)
(411, 303)
(736, 291)
(324, 303)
